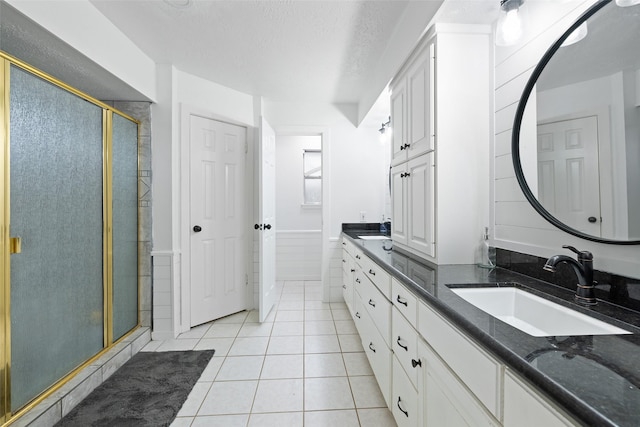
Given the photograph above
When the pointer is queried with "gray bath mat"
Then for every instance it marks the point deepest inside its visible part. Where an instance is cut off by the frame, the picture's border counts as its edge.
(148, 390)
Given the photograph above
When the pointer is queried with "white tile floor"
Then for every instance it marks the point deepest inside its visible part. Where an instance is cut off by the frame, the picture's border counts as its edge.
(305, 366)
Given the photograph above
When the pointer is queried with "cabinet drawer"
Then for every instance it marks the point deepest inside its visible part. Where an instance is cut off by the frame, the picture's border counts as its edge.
(358, 319)
(378, 308)
(347, 294)
(357, 255)
(378, 276)
(404, 398)
(479, 371)
(359, 281)
(405, 302)
(347, 261)
(404, 343)
(347, 246)
(379, 355)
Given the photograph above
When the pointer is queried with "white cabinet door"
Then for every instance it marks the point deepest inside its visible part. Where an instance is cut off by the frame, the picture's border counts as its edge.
(421, 209)
(479, 371)
(377, 352)
(420, 108)
(399, 188)
(523, 407)
(348, 270)
(404, 343)
(445, 400)
(404, 400)
(398, 122)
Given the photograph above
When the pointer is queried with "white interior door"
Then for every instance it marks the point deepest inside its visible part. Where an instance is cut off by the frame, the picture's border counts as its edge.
(266, 224)
(217, 211)
(568, 172)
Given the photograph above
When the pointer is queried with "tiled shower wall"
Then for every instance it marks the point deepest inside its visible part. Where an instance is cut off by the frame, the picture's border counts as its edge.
(141, 111)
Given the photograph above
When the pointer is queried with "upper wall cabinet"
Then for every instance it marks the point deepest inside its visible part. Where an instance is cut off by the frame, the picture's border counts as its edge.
(412, 112)
(440, 153)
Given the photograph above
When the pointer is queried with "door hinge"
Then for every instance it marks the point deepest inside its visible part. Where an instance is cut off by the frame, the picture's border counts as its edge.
(246, 279)
(246, 147)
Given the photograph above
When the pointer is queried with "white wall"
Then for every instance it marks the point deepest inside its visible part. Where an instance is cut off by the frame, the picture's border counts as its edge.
(355, 174)
(299, 228)
(517, 226)
(358, 160)
(290, 212)
(82, 26)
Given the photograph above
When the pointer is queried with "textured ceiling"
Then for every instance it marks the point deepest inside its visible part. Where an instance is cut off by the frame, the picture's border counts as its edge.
(283, 50)
(318, 51)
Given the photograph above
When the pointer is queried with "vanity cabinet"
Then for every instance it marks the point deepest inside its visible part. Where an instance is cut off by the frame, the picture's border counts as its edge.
(440, 144)
(428, 370)
(370, 308)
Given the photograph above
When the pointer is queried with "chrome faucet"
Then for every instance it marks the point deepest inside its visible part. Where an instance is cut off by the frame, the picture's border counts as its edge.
(583, 268)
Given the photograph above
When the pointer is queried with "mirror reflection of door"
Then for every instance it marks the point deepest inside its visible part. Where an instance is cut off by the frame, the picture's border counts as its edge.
(568, 172)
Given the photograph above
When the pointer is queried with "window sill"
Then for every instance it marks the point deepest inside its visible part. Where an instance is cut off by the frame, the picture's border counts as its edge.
(312, 207)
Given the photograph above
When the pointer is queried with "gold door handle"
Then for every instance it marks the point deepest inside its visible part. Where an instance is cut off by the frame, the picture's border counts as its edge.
(15, 245)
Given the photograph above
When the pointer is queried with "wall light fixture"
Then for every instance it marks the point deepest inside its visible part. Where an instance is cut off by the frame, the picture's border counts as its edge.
(509, 27)
(385, 126)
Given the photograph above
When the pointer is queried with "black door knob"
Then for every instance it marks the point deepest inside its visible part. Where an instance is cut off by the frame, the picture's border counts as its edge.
(197, 228)
(267, 226)
(592, 219)
(258, 226)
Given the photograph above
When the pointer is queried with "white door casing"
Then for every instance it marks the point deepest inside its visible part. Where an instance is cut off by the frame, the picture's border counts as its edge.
(217, 152)
(266, 224)
(568, 172)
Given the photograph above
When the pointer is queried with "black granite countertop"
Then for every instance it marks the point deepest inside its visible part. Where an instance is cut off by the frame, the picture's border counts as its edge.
(595, 378)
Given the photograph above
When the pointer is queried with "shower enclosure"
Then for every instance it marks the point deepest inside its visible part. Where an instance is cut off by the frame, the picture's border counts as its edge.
(68, 232)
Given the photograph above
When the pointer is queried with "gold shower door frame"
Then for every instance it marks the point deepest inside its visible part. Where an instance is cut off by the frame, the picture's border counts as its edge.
(9, 245)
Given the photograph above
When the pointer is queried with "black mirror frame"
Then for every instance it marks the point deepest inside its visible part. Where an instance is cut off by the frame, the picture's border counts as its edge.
(515, 136)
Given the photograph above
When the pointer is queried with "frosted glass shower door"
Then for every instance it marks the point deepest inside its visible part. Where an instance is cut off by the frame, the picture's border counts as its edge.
(56, 194)
(125, 225)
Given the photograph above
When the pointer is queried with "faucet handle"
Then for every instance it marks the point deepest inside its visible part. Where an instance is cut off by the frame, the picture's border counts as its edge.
(586, 255)
(572, 249)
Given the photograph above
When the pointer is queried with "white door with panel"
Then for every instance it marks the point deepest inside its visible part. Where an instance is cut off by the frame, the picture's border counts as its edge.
(421, 199)
(266, 224)
(568, 172)
(399, 188)
(217, 208)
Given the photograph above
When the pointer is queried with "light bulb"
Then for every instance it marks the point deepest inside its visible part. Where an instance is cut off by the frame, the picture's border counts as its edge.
(509, 28)
(626, 3)
(577, 35)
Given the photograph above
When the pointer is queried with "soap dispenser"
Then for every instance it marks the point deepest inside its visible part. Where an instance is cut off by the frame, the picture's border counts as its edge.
(383, 226)
(487, 253)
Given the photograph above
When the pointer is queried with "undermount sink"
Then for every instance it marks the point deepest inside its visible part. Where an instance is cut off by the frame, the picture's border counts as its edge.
(374, 237)
(534, 315)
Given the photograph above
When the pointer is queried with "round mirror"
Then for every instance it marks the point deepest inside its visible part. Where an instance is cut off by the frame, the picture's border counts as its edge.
(576, 136)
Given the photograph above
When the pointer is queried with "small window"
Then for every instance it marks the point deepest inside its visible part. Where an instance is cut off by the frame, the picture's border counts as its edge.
(312, 169)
